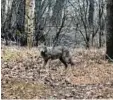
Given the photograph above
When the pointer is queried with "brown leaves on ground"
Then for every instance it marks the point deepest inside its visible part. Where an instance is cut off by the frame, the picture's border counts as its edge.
(24, 78)
(91, 67)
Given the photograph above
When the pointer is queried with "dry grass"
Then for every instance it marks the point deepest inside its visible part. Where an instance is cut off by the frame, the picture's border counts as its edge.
(90, 68)
(18, 54)
(24, 90)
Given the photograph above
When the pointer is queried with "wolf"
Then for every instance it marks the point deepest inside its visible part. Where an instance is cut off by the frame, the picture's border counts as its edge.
(59, 52)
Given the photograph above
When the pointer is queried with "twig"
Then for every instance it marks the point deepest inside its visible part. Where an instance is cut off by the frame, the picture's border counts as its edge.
(109, 57)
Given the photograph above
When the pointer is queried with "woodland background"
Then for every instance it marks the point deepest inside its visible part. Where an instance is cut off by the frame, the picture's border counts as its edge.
(84, 26)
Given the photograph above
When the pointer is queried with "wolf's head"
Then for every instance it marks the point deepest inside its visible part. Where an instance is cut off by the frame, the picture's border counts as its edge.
(42, 49)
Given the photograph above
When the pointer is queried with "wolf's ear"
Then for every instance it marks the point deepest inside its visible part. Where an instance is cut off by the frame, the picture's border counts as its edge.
(45, 49)
(42, 48)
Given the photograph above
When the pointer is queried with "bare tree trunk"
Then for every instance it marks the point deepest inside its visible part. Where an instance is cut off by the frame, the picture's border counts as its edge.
(59, 31)
(3, 16)
(57, 12)
(109, 29)
(21, 16)
(29, 22)
(91, 12)
(90, 21)
(101, 9)
(20, 24)
(7, 23)
(40, 8)
(3, 2)
(14, 20)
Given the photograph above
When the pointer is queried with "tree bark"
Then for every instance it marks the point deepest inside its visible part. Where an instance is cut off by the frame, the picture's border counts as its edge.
(100, 19)
(91, 12)
(109, 30)
(29, 22)
(57, 12)
(40, 8)
(3, 2)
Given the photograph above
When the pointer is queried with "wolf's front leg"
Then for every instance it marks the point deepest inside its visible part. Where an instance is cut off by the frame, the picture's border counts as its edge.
(45, 62)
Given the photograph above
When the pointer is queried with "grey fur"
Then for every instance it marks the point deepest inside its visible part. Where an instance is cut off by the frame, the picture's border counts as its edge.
(59, 52)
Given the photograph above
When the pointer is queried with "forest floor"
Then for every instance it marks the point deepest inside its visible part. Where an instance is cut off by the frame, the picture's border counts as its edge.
(23, 77)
